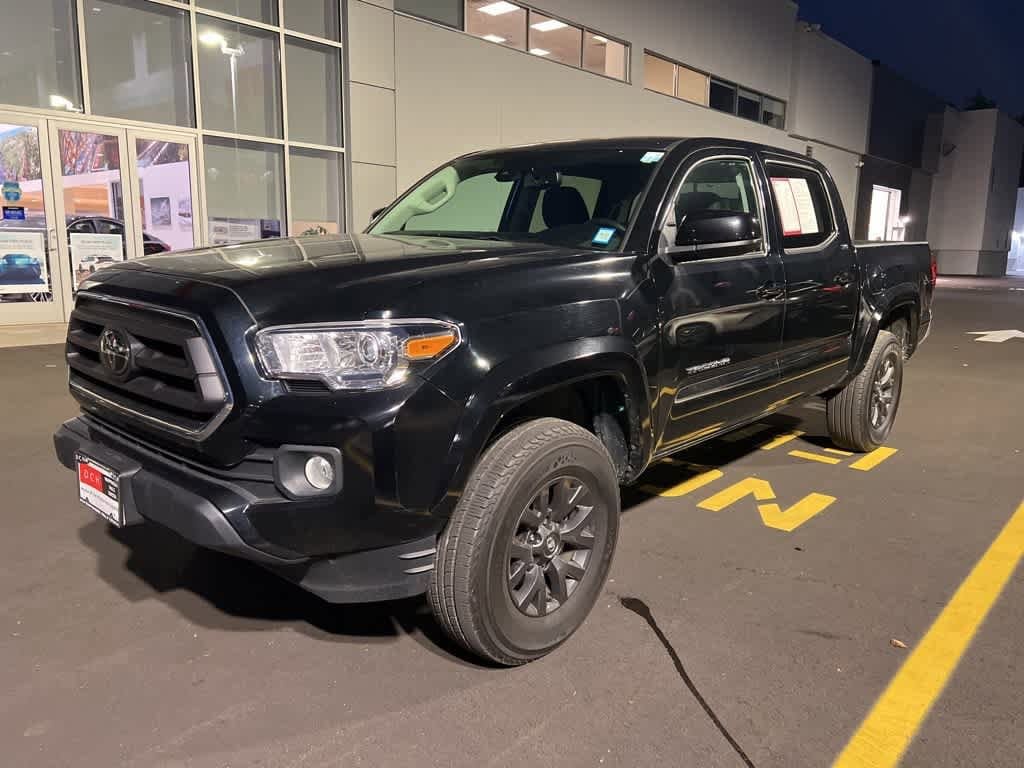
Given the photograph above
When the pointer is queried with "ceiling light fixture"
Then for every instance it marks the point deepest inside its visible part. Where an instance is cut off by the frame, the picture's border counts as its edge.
(540, 52)
(601, 39)
(494, 38)
(497, 9)
(549, 26)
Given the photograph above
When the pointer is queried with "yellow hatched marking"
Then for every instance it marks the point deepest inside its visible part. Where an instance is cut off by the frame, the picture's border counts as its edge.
(837, 452)
(689, 486)
(792, 518)
(873, 459)
(781, 440)
(890, 726)
(815, 457)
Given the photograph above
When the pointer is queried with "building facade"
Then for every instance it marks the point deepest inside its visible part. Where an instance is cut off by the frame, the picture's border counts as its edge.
(133, 126)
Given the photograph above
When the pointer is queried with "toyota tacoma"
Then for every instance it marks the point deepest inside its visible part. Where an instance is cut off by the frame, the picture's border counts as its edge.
(449, 403)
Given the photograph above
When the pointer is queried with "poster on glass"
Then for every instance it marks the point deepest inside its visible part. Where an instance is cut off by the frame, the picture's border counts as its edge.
(91, 252)
(22, 262)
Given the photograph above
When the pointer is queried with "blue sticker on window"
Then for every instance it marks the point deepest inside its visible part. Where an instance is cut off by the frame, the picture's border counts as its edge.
(652, 157)
(604, 236)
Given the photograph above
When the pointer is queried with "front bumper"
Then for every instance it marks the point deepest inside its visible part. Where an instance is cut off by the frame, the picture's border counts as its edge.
(216, 510)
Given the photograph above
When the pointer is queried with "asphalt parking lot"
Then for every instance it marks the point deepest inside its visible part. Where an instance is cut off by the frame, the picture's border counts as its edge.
(760, 593)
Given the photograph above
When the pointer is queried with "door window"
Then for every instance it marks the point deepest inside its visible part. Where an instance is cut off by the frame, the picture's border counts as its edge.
(724, 184)
(801, 205)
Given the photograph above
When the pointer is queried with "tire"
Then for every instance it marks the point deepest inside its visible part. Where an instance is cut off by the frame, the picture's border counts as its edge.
(853, 421)
(901, 330)
(524, 556)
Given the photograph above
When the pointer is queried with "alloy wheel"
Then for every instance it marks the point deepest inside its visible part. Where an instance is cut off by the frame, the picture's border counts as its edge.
(552, 546)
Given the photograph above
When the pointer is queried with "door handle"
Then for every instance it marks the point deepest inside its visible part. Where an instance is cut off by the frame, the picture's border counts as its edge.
(770, 292)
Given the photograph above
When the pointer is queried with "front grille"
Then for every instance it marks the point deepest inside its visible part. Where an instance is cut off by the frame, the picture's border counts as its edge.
(172, 381)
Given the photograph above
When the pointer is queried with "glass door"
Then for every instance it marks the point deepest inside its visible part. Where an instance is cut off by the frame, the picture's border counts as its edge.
(164, 182)
(95, 218)
(31, 281)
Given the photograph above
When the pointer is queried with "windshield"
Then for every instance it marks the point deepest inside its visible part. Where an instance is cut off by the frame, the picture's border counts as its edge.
(578, 198)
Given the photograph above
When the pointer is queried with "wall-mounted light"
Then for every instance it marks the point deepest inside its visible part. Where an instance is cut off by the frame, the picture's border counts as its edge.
(494, 38)
(540, 52)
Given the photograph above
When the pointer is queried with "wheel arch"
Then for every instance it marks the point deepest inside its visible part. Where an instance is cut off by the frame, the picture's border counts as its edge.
(575, 381)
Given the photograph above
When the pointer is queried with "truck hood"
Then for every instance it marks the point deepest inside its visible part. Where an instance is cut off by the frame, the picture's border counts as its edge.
(314, 279)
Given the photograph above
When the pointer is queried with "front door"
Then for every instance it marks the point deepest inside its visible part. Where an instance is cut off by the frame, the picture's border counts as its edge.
(120, 194)
(821, 271)
(722, 311)
(31, 281)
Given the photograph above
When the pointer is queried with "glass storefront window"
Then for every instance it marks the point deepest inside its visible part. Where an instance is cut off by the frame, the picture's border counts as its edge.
(555, 40)
(317, 191)
(165, 195)
(258, 10)
(314, 92)
(244, 190)
(140, 61)
(497, 22)
(39, 56)
(604, 56)
(239, 78)
(313, 17)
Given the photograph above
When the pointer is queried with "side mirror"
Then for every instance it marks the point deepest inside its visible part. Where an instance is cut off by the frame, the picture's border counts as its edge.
(709, 227)
(376, 214)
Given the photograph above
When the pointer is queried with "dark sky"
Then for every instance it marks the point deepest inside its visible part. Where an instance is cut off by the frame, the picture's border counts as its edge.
(952, 47)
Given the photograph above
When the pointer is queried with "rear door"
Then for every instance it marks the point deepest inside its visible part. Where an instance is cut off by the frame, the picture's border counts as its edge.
(722, 304)
(813, 243)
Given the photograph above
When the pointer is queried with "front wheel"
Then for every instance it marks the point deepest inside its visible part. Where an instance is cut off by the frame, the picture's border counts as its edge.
(861, 415)
(527, 550)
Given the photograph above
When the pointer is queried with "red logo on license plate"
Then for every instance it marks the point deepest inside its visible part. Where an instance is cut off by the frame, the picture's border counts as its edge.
(91, 477)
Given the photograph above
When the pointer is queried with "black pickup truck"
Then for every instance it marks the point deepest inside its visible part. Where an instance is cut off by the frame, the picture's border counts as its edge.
(450, 402)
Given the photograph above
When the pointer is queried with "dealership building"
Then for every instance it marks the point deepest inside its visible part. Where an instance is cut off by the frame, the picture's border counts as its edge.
(130, 127)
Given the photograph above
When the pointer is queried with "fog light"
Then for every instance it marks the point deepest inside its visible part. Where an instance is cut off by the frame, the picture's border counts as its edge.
(319, 473)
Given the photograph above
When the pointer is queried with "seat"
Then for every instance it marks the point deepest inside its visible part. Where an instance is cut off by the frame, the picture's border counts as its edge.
(564, 207)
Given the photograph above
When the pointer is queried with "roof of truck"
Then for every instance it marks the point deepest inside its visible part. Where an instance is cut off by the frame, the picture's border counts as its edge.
(648, 142)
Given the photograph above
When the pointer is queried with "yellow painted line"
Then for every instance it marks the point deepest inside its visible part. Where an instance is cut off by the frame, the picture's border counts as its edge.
(760, 489)
(746, 432)
(873, 459)
(781, 440)
(684, 488)
(837, 452)
(815, 457)
(788, 520)
(891, 724)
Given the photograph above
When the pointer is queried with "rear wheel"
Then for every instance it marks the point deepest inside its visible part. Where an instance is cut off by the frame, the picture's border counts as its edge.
(528, 548)
(861, 415)
(901, 330)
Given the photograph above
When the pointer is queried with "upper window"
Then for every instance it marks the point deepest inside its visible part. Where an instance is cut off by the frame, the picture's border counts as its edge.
(526, 29)
(716, 186)
(723, 96)
(140, 61)
(674, 79)
(447, 12)
(578, 199)
(39, 64)
(555, 40)
(239, 78)
(801, 205)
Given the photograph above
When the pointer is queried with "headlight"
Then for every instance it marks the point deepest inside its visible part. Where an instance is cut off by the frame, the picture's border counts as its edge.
(366, 355)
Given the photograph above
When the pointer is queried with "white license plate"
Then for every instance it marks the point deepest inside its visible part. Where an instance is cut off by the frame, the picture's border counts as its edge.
(98, 489)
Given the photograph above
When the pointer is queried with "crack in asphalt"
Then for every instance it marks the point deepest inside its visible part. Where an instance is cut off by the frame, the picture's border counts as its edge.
(641, 609)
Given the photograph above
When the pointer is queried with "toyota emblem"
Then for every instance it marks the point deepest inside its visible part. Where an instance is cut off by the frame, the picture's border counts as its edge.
(115, 351)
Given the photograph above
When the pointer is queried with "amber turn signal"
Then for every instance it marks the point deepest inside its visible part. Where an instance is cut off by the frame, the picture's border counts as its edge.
(427, 347)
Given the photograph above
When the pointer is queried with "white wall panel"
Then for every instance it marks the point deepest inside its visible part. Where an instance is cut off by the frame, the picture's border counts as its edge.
(371, 44)
(373, 188)
(373, 124)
